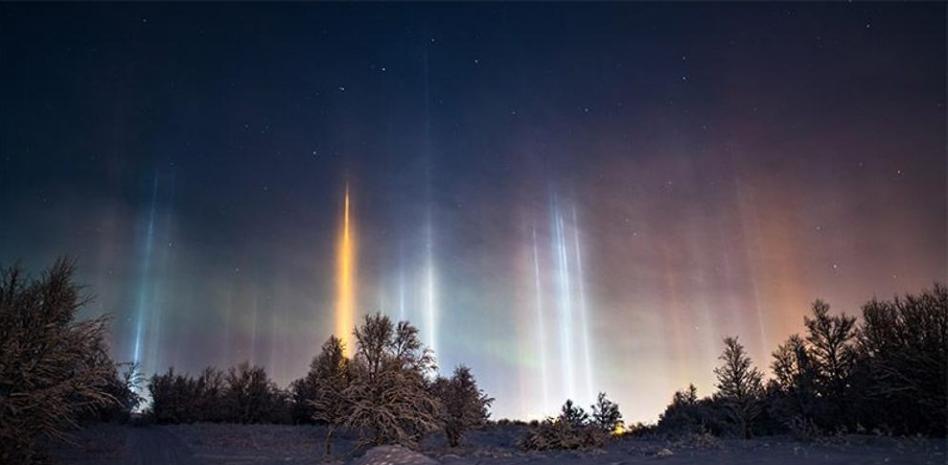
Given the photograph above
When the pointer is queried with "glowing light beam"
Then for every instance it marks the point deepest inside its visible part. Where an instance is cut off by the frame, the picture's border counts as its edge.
(541, 330)
(142, 307)
(431, 312)
(583, 311)
(565, 304)
(345, 299)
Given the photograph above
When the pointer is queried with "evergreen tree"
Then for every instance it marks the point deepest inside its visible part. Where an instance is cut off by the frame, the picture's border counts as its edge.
(830, 347)
(573, 415)
(605, 414)
(794, 381)
(739, 385)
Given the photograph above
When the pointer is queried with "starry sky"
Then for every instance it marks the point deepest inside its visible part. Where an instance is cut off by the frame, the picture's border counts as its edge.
(565, 197)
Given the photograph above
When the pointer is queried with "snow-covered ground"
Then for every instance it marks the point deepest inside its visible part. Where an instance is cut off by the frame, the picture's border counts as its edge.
(213, 444)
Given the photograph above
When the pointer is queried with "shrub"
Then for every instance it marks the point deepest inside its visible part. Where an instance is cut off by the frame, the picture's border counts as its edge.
(52, 367)
(553, 434)
(570, 430)
(465, 406)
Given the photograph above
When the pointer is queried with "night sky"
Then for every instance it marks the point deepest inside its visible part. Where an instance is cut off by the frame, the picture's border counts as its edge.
(567, 198)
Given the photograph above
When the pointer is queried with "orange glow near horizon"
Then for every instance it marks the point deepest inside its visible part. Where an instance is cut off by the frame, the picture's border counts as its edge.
(345, 299)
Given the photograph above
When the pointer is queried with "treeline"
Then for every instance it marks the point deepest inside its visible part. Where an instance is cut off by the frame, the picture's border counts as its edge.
(56, 374)
(387, 391)
(886, 373)
(243, 394)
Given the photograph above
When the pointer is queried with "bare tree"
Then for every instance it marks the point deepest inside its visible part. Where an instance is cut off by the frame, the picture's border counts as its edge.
(388, 396)
(330, 376)
(52, 367)
(209, 395)
(250, 396)
(465, 405)
(903, 344)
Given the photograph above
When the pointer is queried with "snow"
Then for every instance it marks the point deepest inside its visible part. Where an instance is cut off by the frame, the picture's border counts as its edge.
(218, 444)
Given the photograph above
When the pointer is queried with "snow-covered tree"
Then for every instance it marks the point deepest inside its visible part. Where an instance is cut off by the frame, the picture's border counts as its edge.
(53, 367)
(388, 395)
(330, 376)
(464, 404)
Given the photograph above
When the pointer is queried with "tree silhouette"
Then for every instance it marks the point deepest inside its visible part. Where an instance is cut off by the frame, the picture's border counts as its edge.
(739, 385)
(794, 382)
(464, 404)
(903, 349)
(605, 414)
(830, 345)
(573, 415)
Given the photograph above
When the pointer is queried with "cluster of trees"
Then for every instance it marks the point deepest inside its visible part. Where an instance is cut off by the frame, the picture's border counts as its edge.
(574, 428)
(387, 391)
(243, 394)
(54, 371)
(887, 373)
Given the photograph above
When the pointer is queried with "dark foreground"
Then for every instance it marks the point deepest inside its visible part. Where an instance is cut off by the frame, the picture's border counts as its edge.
(207, 444)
